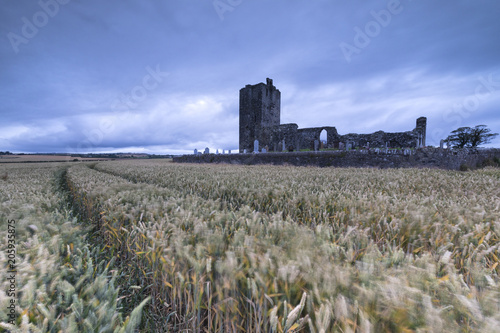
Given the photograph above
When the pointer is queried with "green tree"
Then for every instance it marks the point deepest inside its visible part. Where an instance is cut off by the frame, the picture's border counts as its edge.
(470, 137)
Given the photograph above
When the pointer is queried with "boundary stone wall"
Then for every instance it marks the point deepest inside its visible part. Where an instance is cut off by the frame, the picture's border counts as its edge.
(451, 159)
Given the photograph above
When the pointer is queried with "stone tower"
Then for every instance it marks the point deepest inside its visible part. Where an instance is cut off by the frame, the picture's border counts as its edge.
(259, 108)
(421, 130)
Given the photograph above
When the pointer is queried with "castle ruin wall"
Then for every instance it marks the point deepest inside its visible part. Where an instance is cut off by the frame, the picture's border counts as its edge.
(260, 109)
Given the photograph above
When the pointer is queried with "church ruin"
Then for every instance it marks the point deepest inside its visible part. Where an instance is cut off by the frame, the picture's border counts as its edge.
(260, 106)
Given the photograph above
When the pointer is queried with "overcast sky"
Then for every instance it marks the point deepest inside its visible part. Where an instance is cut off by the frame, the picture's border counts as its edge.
(160, 76)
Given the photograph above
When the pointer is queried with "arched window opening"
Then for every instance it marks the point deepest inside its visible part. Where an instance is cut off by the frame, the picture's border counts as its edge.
(323, 138)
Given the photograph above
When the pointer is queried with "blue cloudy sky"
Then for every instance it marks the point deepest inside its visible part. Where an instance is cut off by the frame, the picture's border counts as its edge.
(163, 76)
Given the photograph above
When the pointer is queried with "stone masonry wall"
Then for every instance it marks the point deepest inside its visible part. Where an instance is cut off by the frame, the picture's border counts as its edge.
(259, 109)
(307, 136)
(380, 139)
(452, 159)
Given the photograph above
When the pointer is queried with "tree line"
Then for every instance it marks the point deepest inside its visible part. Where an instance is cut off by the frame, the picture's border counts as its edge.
(470, 137)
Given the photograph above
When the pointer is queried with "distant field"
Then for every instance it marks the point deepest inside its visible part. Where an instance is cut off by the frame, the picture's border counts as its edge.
(225, 248)
(42, 158)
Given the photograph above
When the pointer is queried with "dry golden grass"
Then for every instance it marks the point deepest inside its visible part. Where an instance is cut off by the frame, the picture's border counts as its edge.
(222, 248)
(60, 285)
(262, 248)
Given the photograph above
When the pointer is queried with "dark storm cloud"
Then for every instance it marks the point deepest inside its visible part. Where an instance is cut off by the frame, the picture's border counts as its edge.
(84, 77)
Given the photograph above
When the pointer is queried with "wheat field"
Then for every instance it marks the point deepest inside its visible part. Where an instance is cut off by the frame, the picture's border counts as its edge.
(224, 248)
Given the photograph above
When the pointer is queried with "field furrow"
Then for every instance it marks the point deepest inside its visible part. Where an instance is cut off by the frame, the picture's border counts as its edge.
(52, 280)
(262, 248)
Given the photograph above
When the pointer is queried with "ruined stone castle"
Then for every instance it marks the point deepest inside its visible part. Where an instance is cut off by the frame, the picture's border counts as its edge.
(260, 106)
